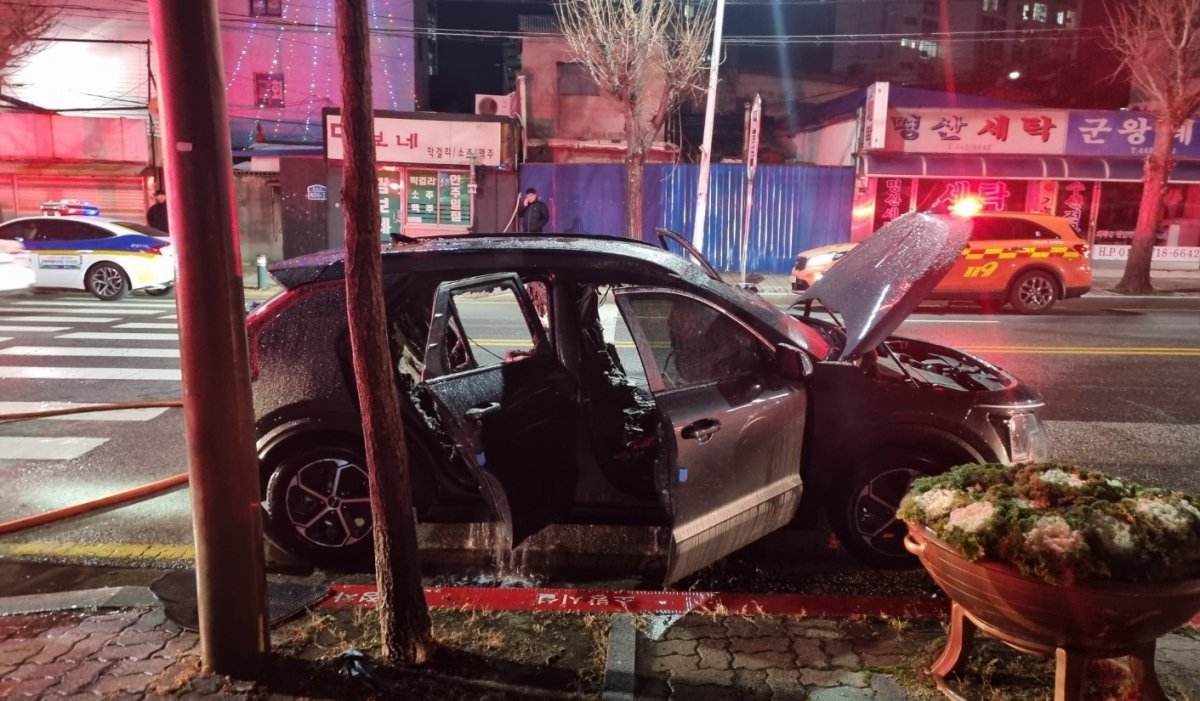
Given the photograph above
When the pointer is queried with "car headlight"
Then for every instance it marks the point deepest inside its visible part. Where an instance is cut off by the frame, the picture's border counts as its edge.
(1026, 438)
(824, 259)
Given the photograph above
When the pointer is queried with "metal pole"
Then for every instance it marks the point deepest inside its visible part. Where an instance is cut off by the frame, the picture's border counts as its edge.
(710, 109)
(218, 413)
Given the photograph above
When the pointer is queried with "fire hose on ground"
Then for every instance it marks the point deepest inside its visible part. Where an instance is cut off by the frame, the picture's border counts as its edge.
(128, 495)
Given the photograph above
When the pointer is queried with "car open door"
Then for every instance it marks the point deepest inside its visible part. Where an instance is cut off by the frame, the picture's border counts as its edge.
(733, 468)
(505, 399)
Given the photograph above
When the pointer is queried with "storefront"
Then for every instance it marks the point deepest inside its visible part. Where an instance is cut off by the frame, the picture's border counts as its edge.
(429, 167)
(1085, 166)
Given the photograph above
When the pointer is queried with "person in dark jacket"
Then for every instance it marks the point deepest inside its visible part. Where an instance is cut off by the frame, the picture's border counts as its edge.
(156, 216)
(533, 212)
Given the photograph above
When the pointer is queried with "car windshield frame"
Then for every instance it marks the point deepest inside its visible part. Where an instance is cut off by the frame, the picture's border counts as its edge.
(143, 229)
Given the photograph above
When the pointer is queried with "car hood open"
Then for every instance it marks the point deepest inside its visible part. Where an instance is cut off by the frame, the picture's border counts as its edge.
(878, 283)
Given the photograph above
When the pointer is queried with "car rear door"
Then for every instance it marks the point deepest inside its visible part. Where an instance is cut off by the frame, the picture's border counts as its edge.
(732, 472)
(987, 262)
(505, 399)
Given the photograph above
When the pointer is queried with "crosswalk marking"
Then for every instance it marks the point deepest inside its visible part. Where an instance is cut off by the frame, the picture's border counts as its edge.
(120, 336)
(111, 306)
(57, 373)
(114, 415)
(168, 316)
(98, 351)
(145, 325)
(47, 448)
(79, 311)
(66, 319)
(5, 338)
(33, 328)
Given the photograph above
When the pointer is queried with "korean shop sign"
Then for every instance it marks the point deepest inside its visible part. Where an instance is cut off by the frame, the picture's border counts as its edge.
(455, 201)
(1124, 134)
(424, 141)
(422, 198)
(977, 132)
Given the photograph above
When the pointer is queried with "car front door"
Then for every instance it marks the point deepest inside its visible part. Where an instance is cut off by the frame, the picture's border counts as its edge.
(733, 469)
(505, 399)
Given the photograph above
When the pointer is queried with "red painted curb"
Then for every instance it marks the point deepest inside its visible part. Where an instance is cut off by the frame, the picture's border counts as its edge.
(616, 601)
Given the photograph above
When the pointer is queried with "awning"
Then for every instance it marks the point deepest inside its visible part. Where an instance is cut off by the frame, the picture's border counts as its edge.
(1016, 168)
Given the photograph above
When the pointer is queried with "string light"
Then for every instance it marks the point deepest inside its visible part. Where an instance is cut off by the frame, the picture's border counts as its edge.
(382, 57)
(258, 102)
(289, 64)
(312, 78)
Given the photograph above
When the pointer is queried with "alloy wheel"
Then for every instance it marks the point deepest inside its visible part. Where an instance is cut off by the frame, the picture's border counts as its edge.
(1036, 292)
(107, 282)
(875, 510)
(328, 503)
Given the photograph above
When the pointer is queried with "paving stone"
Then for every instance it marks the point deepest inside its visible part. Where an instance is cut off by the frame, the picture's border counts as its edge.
(87, 647)
(841, 654)
(129, 637)
(832, 677)
(31, 670)
(128, 652)
(763, 660)
(740, 627)
(17, 653)
(111, 684)
(650, 689)
(671, 647)
(672, 664)
(81, 675)
(759, 644)
(886, 688)
(841, 693)
(51, 651)
(27, 689)
(108, 623)
(151, 619)
(815, 628)
(809, 653)
(684, 631)
(52, 695)
(179, 645)
(770, 626)
(713, 654)
(69, 633)
(694, 692)
(701, 677)
(753, 680)
(884, 652)
(151, 667)
(785, 682)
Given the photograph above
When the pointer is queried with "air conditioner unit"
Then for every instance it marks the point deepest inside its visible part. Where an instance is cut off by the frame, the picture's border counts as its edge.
(496, 105)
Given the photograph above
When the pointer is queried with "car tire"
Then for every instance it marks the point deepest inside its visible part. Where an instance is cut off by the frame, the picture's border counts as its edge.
(863, 510)
(1033, 292)
(159, 291)
(317, 503)
(107, 282)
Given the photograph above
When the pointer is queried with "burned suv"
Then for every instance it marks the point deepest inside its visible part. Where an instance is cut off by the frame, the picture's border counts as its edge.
(587, 380)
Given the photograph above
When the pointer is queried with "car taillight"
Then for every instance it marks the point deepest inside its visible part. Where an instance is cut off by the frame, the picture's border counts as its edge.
(156, 249)
(1082, 249)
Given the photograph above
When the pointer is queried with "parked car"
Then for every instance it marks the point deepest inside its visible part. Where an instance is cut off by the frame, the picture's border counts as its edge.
(62, 208)
(16, 274)
(1029, 261)
(106, 257)
(650, 393)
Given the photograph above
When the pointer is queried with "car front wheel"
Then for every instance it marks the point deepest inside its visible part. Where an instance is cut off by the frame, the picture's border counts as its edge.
(107, 282)
(863, 513)
(159, 291)
(1033, 292)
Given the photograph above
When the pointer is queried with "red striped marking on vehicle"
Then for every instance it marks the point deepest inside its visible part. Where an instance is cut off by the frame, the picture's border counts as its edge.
(618, 601)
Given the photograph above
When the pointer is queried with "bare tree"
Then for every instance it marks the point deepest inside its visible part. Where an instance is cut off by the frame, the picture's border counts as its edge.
(403, 615)
(649, 55)
(1158, 42)
(21, 25)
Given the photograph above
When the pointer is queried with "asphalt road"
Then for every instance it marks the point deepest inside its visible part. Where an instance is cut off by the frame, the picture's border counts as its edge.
(1118, 376)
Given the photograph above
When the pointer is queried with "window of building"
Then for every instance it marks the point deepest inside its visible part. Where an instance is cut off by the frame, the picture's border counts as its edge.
(268, 88)
(1041, 12)
(928, 49)
(991, 5)
(574, 79)
(1066, 18)
(266, 8)
(908, 43)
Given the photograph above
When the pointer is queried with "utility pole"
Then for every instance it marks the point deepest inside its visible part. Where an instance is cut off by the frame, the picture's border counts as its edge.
(217, 407)
(710, 109)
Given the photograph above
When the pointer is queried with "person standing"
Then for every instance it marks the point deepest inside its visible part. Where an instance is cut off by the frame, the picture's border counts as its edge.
(533, 212)
(156, 216)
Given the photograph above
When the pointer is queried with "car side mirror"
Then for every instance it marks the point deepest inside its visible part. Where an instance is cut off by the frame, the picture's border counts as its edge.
(792, 363)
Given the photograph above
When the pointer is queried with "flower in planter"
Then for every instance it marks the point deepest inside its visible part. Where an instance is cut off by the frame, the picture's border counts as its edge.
(1060, 523)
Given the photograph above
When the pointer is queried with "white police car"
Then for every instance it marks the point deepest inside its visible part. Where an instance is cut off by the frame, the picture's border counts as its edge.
(103, 256)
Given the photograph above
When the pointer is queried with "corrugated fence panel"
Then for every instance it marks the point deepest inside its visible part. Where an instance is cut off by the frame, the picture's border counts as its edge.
(795, 207)
(584, 198)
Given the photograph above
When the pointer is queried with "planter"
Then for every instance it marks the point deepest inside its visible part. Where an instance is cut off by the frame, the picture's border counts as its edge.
(1071, 623)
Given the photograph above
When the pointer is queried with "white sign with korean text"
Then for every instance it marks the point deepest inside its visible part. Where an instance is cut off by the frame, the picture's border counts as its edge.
(875, 117)
(949, 130)
(1164, 258)
(424, 141)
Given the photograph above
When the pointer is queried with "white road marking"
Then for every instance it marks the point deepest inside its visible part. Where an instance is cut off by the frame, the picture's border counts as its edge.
(121, 336)
(78, 310)
(47, 448)
(65, 319)
(952, 321)
(96, 351)
(114, 415)
(34, 328)
(168, 316)
(5, 338)
(54, 373)
(147, 325)
(112, 306)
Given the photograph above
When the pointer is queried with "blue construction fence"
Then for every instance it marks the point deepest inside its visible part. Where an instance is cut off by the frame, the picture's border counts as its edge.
(795, 207)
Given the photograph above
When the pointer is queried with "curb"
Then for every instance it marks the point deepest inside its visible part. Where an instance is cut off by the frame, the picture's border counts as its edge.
(620, 665)
(103, 598)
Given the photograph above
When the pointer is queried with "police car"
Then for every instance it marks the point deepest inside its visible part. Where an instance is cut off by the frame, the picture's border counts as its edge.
(106, 257)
